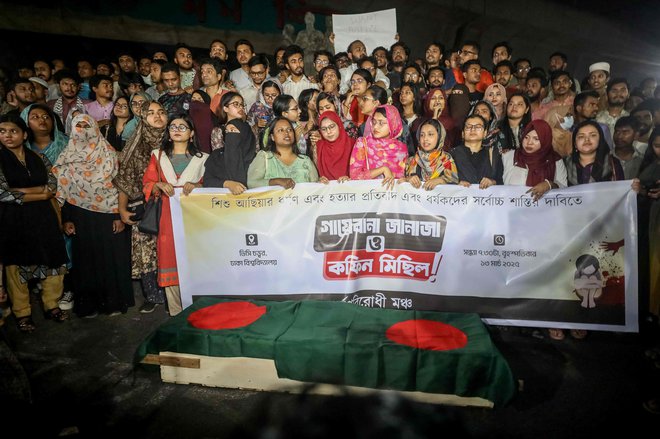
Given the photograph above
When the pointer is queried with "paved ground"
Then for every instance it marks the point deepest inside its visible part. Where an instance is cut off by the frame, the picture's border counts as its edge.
(81, 377)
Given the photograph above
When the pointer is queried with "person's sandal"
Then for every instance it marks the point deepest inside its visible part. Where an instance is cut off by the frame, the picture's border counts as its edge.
(25, 324)
(56, 314)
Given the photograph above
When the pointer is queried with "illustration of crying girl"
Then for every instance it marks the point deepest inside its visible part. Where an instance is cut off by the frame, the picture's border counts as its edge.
(588, 280)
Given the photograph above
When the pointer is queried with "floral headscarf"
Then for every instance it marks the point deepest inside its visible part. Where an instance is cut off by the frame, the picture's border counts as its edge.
(85, 169)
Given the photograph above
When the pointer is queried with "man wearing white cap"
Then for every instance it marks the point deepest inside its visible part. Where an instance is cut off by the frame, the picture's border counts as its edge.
(599, 74)
(40, 89)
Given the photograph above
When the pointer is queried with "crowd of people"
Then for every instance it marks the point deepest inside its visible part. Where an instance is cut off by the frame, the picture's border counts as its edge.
(84, 148)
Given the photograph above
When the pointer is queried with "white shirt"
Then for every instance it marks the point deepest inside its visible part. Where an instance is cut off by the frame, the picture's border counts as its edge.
(240, 78)
(294, 89)
(517, 176)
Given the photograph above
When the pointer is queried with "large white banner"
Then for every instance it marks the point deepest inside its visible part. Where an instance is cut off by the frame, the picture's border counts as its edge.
(568, 260)
(373, 29)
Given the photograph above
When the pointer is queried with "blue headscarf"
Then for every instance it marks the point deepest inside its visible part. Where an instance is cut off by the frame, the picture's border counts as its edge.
(57, 144)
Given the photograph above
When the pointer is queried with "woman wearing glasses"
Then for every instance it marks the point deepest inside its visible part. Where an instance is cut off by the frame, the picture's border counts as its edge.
(361, 80)
(287, 107)
(476, 163)
(121, 115)
(261, 112)
(231, 107)
(281, 163)
(333, 151)
(178, 163)
(379, 154)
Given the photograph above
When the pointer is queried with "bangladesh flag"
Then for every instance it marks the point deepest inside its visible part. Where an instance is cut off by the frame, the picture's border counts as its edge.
(345, 344)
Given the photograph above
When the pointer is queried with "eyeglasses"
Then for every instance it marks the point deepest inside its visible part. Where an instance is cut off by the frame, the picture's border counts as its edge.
(411, 75)
(378, 123)
(524, 69)
(124, 106)
(179, 128)
(328, 128)
(270, 96)
(320, 62)
(236, 104)
(357, 81)
(263, 72)
(474, 127)
(366, 98)
(12, 131)
(466, 52)
(294, 109)
(137, 103)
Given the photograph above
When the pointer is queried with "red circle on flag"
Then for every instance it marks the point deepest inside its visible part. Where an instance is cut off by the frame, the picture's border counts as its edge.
(427, 334)
(228, 315)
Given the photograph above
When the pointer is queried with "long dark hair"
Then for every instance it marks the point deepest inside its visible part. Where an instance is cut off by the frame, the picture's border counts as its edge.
(113, 118)
(270, 145)
(649, 155)
(224, 101)
(505, 128)
(15, 118)
(193, 145)
(418, 107)
(602, 152)
(281, 104)
(303, 102)
(50, 113)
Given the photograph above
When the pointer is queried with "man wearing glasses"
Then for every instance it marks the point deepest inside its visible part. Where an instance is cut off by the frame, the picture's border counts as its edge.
(294, 59)
(470, 51)
(259, 71)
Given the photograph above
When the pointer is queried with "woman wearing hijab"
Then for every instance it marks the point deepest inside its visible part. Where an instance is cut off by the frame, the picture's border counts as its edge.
(495, 94)
(261, 112)
(203, 118)
(44, 137)
(436, 107)
(136, 103)
(431, 165)
(90, 214)
(133, 161)
(31, 243)
(227, 167)
(333, 151)
(379, 154)
(494, 137)
(535, 164)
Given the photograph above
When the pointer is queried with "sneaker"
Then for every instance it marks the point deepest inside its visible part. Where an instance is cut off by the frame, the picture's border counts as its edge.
(114, 313)
(148, 307)
(66, 301)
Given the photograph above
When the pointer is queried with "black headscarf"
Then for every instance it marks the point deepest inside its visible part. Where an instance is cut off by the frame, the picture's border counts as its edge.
(233, 160)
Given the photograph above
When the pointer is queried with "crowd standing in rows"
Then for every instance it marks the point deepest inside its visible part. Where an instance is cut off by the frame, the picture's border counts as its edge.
(82, 149)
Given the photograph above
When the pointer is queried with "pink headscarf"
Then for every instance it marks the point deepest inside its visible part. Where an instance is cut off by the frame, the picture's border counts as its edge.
(499, 109)
(371, 153)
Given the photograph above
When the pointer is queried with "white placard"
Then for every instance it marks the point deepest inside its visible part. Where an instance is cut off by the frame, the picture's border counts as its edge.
(373, 29)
